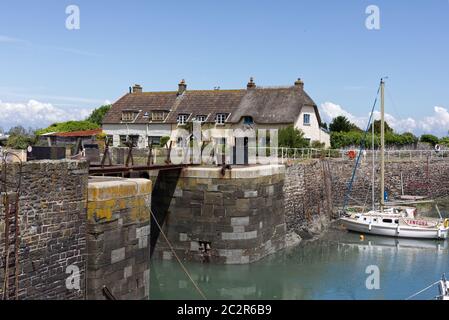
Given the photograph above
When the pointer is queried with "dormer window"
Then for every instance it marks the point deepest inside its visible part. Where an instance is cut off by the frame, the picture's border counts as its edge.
(182, 119)
(221, 118)
(158, 115)
(129, 115)
(201, 118)
(248, 120)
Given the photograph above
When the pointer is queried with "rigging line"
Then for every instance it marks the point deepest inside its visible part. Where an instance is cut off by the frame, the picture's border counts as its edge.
(362, 146)
(177, 258)
(395, 107)
(421, 291)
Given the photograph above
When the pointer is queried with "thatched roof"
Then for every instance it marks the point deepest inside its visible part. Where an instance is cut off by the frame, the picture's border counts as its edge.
(264, 105)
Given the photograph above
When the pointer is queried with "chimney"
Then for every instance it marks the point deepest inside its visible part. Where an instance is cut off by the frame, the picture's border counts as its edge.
(137, 88)
(251, 84)
(182, 86)
(299, 83)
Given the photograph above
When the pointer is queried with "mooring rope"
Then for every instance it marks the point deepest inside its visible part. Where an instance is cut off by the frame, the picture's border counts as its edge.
(421, 291)
(177, 258)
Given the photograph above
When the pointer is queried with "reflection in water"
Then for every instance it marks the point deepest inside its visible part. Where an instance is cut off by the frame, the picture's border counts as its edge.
(330, 268)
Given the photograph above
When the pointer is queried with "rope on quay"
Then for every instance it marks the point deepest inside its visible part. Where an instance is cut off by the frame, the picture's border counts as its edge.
(421, 291)
(177, 258)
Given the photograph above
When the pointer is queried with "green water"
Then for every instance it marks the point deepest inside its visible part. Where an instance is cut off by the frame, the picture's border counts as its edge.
(333, 267)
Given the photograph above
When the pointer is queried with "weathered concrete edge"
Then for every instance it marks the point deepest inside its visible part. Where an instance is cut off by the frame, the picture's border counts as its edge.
(234, 173)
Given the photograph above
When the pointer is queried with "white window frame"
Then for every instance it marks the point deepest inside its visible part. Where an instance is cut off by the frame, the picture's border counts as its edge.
(304, 119)
(129, 116)
(201, 116)
(156, 119)
(221, 118)
(182, 116)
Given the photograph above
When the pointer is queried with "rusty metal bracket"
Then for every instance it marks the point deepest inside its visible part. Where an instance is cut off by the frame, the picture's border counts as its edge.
(168, 159)
(129, 156)
(150, 160)
(106, 153)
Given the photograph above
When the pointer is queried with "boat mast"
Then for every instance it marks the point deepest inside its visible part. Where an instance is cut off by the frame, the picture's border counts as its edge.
(373, 164)
(382, 146)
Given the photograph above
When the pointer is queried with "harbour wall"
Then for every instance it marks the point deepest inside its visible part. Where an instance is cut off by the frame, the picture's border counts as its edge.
(118, 237)
(78, 235)
(52, 221)
(315, 189)
(235, 218)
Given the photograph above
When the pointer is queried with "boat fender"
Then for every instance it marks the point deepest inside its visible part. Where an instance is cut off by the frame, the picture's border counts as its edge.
(369, 227)
(446, 223)
(398, 229)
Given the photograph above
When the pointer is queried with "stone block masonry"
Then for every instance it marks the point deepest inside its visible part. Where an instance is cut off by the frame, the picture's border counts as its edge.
(314, 190)
(239, 216)
(79, 234)
(118, 237)
(52, 228)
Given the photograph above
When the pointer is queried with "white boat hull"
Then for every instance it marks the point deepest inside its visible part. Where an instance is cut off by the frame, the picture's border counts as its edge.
(394, 231)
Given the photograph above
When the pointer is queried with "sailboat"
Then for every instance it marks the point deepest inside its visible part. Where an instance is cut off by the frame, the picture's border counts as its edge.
(393, 220)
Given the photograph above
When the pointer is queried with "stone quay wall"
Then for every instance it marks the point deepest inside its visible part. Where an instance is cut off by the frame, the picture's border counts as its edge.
(240, 215)
(315, 190)
(52, 228)
(118, 237)
(308, 197)
(426, 177)
(78, 234)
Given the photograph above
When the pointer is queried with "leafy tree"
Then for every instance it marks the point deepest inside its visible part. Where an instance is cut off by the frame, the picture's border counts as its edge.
(354, 139)
(444, 141)
(69, 126)
(98, 114)
(324, 125)
(377, 127)
(429, 138)
(291, 137)
(342, 124)
(20, 138)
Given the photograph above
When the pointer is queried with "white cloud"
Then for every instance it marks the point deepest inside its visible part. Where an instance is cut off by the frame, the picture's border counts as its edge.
(37, 114)
(437, 123)
(331, 110)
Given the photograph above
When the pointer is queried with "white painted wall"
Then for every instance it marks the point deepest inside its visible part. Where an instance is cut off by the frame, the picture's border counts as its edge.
(142, 130)
(312, 131)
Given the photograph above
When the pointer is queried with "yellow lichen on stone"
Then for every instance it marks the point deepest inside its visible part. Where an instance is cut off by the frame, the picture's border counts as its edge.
(105, 213)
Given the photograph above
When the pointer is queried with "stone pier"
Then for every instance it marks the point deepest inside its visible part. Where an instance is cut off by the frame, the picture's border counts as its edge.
(238, 217)
(118, 237)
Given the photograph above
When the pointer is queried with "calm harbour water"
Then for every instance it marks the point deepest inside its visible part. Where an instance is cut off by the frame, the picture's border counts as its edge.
(332, 267)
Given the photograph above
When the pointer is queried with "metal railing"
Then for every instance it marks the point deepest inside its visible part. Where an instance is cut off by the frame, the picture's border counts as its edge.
(309, 153)
(284, 154)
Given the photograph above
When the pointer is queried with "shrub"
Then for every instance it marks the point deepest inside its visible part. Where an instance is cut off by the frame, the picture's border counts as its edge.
(317, 145)
(429, 138)
(290, 137)
(69, 126)
(349, 139)
(98, 114)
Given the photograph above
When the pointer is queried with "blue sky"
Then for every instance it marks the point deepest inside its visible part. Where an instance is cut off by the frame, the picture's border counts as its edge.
(50, 73)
